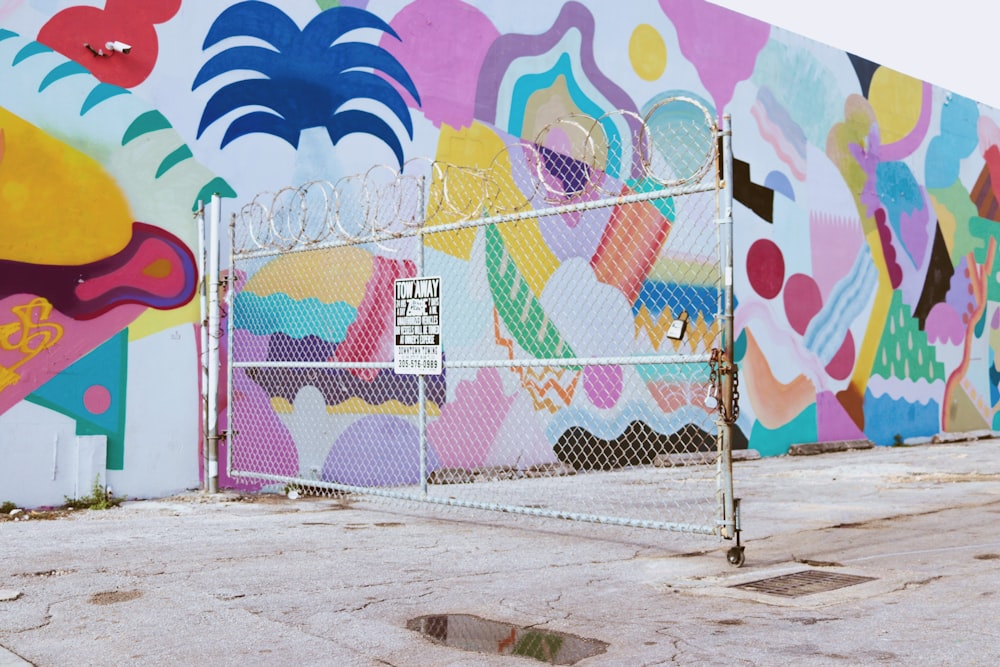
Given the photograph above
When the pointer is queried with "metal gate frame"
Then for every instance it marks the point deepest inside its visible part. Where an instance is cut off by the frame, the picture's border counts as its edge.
(726, 523)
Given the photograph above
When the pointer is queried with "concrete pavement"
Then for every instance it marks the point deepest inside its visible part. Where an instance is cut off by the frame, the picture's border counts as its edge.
(218, 579)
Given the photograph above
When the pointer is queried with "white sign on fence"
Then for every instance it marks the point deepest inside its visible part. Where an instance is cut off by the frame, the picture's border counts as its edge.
(418, 326)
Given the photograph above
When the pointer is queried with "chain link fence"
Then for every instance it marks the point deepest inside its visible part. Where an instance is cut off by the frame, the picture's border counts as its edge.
(563, 299)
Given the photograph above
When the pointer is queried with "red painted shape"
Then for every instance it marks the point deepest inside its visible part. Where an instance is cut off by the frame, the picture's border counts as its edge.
(842, 364)
(121, 20)
(992, 157)
(765, 268)
(628, 249)
(152, 252)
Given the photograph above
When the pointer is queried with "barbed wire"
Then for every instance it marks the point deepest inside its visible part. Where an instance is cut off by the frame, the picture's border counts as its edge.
(575, 159)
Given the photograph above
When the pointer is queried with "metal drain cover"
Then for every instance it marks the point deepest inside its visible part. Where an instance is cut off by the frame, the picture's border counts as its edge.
(802, 583)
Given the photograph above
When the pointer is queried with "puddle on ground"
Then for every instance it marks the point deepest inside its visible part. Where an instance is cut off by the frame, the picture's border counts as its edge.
(472, 633)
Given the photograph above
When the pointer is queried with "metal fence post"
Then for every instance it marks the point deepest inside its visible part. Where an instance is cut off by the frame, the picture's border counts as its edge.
(421, 382)
(203, 338)
(727, 414)
(212, 473)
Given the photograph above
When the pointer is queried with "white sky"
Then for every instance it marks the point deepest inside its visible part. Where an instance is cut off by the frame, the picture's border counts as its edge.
(953, 44)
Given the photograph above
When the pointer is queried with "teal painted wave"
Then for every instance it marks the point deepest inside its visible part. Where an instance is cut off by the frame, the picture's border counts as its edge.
(266, 315)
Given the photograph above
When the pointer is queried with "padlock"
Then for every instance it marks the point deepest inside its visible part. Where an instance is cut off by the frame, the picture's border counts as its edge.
(677, 327)
(711, 398)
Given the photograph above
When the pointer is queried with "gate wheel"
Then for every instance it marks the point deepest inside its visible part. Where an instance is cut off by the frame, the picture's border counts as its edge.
(735, 556)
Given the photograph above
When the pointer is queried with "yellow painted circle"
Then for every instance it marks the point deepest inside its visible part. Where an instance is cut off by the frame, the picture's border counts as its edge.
(897, 100)
(647, 52)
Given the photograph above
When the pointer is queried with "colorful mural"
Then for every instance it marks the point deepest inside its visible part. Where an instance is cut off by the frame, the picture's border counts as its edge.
(868, 304)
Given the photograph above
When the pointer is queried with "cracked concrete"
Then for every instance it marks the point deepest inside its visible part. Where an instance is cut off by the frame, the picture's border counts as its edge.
(202, 579)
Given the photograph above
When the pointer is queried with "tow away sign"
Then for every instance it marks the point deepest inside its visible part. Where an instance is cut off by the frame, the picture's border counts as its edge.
(418, 326)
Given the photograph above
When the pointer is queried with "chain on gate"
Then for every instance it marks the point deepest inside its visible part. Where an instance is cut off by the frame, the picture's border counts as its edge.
(719, 367)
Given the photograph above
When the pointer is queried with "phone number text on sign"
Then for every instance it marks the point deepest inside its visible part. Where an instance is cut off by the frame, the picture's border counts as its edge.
(417, 328)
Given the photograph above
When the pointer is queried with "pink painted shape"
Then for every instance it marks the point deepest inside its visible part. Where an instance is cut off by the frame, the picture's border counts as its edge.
(802, 301)
(8, 7)
(97, 399)
(464, 434)
(834, 245)
(133, 274)
(78, 338)
(603, 385)
(721, 44)
(833, 422)
(772, 133)
(369, 336)
(444, 45)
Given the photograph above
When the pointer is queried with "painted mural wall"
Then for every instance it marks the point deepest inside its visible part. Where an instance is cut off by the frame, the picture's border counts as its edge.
(867, 298)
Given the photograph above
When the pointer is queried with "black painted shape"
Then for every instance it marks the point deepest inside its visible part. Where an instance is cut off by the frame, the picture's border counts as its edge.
(938, 279)
(639, 444)
(865, 69)
(757, 198)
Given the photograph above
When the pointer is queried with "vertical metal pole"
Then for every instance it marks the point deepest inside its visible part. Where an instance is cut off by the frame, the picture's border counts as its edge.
(726, 222)
(212, 474)
(230, 325)
(421, 381)
(203, 357)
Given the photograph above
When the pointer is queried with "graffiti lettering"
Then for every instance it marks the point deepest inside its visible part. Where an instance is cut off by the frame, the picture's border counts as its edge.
(29, 334)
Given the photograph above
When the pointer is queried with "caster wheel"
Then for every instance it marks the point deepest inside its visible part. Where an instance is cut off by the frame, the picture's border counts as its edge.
(736, 556)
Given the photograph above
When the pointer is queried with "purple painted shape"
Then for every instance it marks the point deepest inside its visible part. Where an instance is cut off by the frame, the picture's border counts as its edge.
(431, 33)
(567, 240)
(248, 346)
(833, 422)
(721, 44)
(944, 325)
(778, 182)
(378, 450)
(960, 293)
(339, 385)
(508, 48)
(463, 436)
(603, 385)
(571, 234)
(282, 347)
(266, 448)
(915, 229)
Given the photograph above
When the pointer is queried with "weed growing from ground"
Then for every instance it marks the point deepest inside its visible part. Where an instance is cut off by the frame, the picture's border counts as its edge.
(99, 498)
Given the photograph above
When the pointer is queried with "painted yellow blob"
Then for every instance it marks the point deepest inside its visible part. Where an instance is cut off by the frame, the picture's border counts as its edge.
(307, 274)
(482, 178)
(647, 52)
(57, 205)
(897, 100)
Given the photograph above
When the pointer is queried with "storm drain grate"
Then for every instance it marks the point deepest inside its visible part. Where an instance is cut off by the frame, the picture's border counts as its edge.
(802, 583)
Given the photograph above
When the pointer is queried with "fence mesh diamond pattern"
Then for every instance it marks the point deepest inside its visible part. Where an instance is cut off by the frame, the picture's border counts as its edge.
(580, 301)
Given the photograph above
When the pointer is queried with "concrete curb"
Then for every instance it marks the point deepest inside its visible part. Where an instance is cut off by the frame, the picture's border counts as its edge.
(813, 448)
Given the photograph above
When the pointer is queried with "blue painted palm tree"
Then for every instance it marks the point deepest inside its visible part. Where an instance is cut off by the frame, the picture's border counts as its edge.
(308, 76)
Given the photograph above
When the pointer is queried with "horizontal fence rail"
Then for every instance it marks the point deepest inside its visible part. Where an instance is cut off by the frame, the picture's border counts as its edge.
(564, 297)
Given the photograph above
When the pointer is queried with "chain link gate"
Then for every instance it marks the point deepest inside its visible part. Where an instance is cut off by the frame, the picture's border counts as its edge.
(584, 320)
